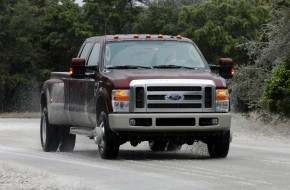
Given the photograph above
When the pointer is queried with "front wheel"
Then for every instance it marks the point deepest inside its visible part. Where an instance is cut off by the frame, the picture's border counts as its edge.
(109, 146)
(49, 134)
(218, 146)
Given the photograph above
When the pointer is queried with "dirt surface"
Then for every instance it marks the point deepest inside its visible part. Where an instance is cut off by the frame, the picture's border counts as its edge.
(259, 158)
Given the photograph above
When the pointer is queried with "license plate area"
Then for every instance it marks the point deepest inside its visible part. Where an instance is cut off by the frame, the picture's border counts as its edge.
(175, 121)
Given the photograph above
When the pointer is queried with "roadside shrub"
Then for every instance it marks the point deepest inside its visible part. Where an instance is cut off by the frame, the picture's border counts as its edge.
(247, 87)
(276, 94)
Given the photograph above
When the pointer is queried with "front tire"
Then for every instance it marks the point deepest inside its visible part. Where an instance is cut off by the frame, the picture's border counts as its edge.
(218, 147)
(109, 146)
(49, 134)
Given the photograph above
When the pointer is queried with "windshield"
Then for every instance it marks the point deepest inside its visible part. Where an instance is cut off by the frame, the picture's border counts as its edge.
(150, 54)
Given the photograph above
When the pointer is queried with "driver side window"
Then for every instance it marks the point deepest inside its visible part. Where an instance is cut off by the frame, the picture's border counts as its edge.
(94, 57)
(86, 50)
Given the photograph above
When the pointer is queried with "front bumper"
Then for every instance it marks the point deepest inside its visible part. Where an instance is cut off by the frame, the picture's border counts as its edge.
(120, 122)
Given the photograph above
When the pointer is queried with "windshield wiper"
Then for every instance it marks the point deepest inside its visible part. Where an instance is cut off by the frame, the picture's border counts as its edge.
(172, 66)
(127, 67)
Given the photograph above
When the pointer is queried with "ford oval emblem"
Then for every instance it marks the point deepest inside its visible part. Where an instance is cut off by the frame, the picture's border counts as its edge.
(174, 97)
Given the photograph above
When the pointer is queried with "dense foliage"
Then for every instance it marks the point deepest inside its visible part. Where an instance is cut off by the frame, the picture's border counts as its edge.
(40, 36)
(277, 91)
(263, 82)
(158, 18)
(219, 27)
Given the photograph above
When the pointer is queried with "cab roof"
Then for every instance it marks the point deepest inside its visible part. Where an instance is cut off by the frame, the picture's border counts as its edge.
(129, 37)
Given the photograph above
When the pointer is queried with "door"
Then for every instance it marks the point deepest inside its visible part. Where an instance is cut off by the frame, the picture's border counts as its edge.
(90, 88)
(82, 91)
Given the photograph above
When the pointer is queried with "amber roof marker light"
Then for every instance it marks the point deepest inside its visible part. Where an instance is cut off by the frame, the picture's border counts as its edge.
(179, 37)
(148, 36)
(136, 36)
(160, 36)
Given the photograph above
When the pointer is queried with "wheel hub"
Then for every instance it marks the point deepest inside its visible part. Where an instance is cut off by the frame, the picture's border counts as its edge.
(99, 136)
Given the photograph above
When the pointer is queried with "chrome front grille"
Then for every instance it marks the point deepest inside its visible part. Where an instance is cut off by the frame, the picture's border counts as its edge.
(184, 95)
(173, 88)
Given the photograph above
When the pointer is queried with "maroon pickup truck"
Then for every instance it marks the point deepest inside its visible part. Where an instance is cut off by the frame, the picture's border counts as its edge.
(134, 88)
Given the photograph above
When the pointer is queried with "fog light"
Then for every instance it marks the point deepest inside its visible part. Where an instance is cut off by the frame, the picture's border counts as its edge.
(215, 121)
(132, 122)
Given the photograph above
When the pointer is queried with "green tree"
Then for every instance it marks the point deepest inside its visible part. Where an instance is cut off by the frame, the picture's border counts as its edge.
(275, 53)
(110, 16)
(63, 30)
(277, 90)
(267, 53)
(219, 27)
(19, 52)
(157, 18)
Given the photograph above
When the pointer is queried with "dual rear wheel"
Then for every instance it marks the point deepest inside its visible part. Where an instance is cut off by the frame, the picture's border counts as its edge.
(55, 137)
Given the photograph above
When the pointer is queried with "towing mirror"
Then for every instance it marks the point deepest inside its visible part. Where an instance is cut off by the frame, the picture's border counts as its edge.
(78, 69)
(226, 68)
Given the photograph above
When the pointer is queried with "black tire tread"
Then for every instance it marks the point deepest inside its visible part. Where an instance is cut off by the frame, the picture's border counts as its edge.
(218, 147)
(52, 134)
(111, 147)
(67, 140)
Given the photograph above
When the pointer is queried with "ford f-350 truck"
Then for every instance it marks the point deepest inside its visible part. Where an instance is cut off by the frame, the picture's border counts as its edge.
(134, 88)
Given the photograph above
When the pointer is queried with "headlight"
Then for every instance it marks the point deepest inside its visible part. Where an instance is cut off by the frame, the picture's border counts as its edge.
(120, 100)
(222, 100)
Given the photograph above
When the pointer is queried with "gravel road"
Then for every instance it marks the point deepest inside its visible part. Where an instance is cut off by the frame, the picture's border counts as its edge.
(259, 158)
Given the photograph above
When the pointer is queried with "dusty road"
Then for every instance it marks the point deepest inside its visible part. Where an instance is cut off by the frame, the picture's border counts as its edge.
(254, 162)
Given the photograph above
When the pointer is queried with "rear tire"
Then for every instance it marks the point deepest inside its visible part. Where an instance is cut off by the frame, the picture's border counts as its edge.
(67, 140)
(109, 147)
(218, 147)
(157, 145)
(49, 134)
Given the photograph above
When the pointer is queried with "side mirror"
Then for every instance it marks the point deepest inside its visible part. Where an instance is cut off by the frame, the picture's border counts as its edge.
(78, 69)
(226, 68)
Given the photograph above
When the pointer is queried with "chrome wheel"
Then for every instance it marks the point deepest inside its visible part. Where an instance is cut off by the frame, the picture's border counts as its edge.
(102, 144)
(43, 130)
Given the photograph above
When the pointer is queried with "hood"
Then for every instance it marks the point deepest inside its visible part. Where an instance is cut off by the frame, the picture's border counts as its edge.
(120, 79)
